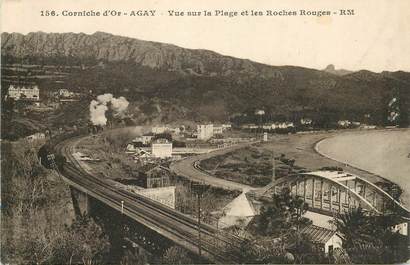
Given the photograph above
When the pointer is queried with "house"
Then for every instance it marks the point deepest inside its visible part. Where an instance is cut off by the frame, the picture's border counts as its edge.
(306, 121)
(159, 129)
(18, 92)
(282, 125)
(175, 130)
(133, 147)
(325, 239)
(36, 136)
(162, 148)
(365, 126)
(356, 123)
(157, 177)
(218, 129)
(142, 155)
(144, 139)
(401, 228)
(64, 93)
(205, 131)
(227, 126)
(344, 123)
(147, 138)
(249, 126)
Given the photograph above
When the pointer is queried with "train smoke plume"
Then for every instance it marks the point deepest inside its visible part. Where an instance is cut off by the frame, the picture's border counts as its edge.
(99, 107)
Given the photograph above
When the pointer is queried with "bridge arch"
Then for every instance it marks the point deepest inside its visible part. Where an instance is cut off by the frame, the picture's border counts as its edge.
(336, 191)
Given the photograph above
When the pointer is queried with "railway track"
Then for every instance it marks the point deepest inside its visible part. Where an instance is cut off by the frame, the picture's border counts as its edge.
(172, 224)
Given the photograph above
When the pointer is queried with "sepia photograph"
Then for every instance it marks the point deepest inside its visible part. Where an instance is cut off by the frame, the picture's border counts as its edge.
(212, 132)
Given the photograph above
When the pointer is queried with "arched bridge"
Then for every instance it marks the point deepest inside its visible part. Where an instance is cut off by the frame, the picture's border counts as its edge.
(338, 191)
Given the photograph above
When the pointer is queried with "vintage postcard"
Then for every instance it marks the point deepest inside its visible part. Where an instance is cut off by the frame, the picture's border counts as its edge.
(205, 132)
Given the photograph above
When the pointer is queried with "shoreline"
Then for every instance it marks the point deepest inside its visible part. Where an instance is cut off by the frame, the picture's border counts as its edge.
(316, 148)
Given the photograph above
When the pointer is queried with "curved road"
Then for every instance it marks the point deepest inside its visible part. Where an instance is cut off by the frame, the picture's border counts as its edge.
(188, 168)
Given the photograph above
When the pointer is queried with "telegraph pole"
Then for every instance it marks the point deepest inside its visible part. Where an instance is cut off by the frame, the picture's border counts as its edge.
(199, 223)
(199, 189)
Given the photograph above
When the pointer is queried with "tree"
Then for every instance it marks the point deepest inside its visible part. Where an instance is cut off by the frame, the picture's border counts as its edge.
(284, 212)
(30, 197)
(93, 242)
(34, 246)
(353, 227)
(83, 241)
(176, 255)
(368, 237)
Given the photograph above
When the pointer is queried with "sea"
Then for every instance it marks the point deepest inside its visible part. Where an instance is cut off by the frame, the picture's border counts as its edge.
(382, 152)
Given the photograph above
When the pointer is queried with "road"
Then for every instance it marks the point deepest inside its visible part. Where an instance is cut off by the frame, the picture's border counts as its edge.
(181, 229)
(300, 147)
(188, 168)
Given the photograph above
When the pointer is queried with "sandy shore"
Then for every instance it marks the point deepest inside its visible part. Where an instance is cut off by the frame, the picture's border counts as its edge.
(385, 153)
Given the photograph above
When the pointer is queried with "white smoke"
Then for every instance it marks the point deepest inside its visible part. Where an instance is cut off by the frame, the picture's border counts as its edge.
(100, 106)
(119, 105)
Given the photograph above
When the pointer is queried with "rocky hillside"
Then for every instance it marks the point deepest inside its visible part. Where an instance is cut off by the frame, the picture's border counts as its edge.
(331, 69)
(168, 83)
(106, 47)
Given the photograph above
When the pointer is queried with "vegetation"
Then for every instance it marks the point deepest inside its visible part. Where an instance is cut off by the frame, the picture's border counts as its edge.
(176, 255)
(368, 238)
(34, 214)
(281, 215)
(248, 165)
(278, 237)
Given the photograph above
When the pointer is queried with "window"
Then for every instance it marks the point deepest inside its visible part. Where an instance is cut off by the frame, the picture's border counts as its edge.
(330, 250)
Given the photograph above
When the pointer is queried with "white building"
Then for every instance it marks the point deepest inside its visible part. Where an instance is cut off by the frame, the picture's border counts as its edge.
(162, 148)
(36, 136)
(218, 129)
(356, 123)
(306, 121)
(205, 131)
(159, 129)
(227, 126)
(64, 93)
(24, 92)
(344, 123)
(282, 125)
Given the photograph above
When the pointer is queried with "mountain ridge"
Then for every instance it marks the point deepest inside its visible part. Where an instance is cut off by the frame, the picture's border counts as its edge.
(201, 84)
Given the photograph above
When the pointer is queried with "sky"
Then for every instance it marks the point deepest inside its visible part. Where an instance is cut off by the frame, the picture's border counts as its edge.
(376, 38)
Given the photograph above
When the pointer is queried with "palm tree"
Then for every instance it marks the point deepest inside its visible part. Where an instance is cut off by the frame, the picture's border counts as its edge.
(353, 227)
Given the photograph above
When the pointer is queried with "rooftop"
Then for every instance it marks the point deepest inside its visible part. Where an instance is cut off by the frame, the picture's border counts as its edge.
(333, 175)
(161, 141)
(318, 234)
